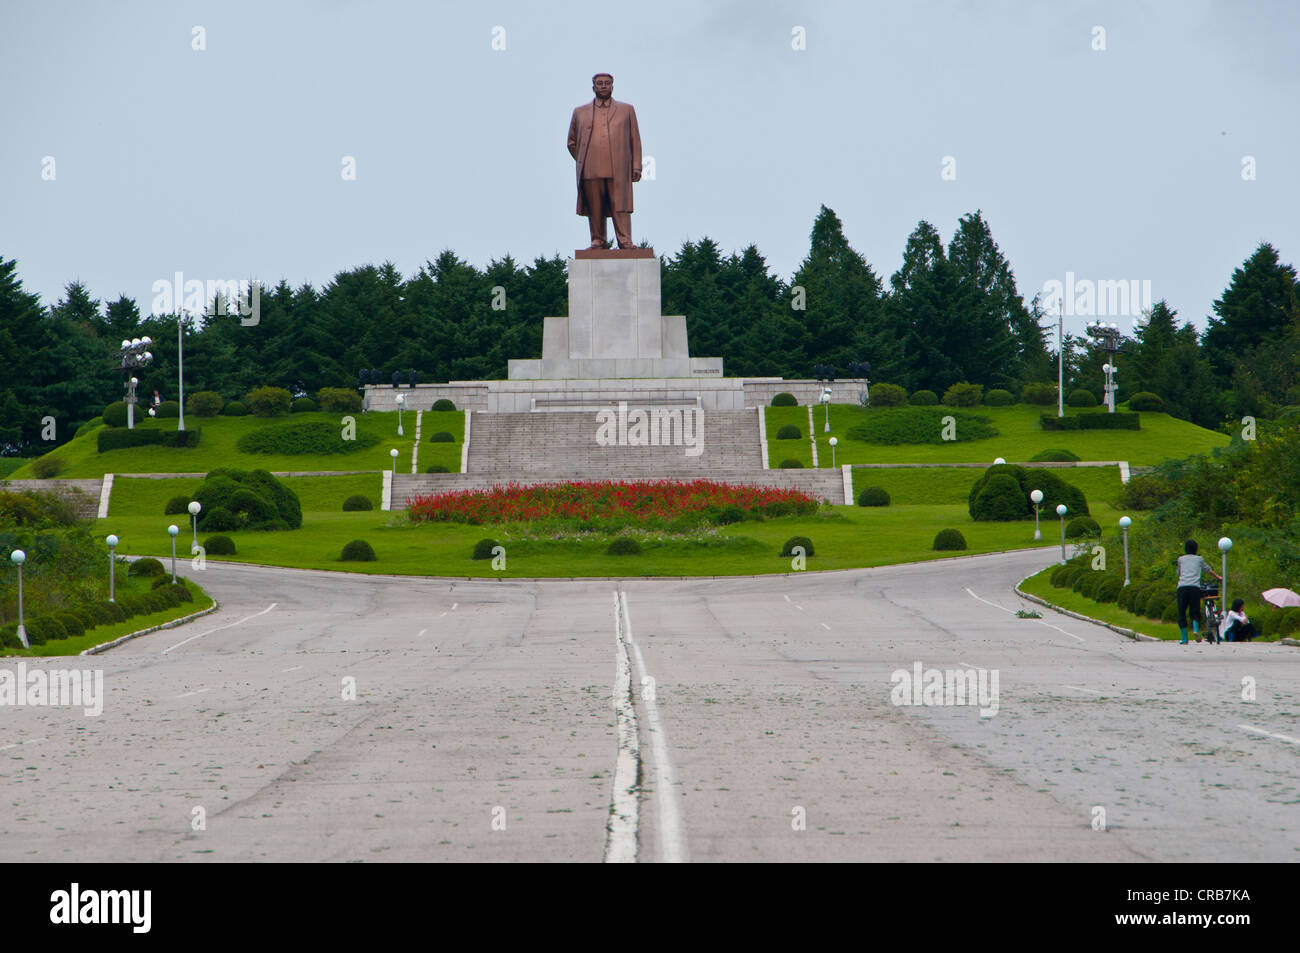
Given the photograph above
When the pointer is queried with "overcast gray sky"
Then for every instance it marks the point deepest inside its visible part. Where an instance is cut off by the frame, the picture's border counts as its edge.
(1117, 163)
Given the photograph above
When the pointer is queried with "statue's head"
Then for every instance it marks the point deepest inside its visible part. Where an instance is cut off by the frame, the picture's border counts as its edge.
(602, 84)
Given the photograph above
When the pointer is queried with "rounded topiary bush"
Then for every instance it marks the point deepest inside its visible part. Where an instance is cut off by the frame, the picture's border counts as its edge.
(442, 403)
(115, 414)
(47, 467)
(1081, 398)
(887, 395)
(873, 496)
(236, 408)
(924, 398)
(168, 408)
(219, 546)
(963, 394)
(1001, 499)
(220, 520)
(204, 403)
(1170, 614)
(442, 436)
(357, 502)
(999, 398)
(789, 432)
(1155, 605)
(624, 546)
(1108, 589)
(358, 551)
(1038, 393)
(949, 540)
(1087, 584)
(163, 581)
(303, 405)
(1054, 455)
(793, 541)
(269, 401)
(1082, 526)
(147, 566)
(43, 628)
(73, 626)
(338, 400)
(436, 468)
(483, 549)
(1146, 401)
(177, 506)
(784, 400)
(790, 465)
(252, 508)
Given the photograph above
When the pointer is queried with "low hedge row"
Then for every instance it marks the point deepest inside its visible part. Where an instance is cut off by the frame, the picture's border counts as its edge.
(74, 621)
(1120, 420)
(117, 438)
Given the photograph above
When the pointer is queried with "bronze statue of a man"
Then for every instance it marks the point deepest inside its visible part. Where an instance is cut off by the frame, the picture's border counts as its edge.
(605, 141)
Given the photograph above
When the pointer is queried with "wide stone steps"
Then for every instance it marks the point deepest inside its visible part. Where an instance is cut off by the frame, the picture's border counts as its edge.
(83, 492)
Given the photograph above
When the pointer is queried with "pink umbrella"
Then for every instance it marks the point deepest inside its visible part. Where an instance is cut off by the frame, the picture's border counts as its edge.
(1281, 597)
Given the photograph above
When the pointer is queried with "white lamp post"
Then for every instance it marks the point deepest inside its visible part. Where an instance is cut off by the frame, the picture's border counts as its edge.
(194, 508)
(18, 557)
(172, 531)
(180, 367)
(1124, 524)
(130, 403)
(401, 405)
(1037, 497)
(998, 462)
(112, 566)
(1225, 544)
(834, 441)
(1061, 510)
(826, 402)
(393, 454)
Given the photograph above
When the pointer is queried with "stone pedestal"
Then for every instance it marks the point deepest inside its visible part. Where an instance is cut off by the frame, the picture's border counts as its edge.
(614, 327)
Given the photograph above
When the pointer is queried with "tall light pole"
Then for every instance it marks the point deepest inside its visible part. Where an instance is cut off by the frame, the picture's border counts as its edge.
(18, 557)
(172, 531)
(1107, 337)
(134, 353)
(1060, 358)
(826, 402)
(1061, 510)
(112, 568)
(1124, 523)
(1037, 497)
(194, 508)
(834, 441)
(393, 454)
(180, 368)
(1225, 544)
(401, 404)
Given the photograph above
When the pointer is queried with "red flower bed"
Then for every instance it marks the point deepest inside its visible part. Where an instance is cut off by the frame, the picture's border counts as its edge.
(642, 500)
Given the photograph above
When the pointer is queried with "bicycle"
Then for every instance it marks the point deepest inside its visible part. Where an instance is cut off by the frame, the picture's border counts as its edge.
(1211, 612)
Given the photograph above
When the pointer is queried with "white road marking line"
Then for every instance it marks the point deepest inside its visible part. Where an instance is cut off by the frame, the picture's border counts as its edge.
(799, 607)
(788, 599)
(421, 632)
(1080, 688)
(454, 605)
(29, 741)
(825, 626)
(1270, 734)
(621, 825)
(294, 669)
(220, 627)
(199, 692)
(965, 664)
(1012, 612)
(672, 836)
(441, 614)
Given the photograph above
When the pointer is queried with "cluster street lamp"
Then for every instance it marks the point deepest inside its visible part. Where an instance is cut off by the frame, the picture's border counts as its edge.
(401, 405)
(18, 557)
(1061, 510)
(112, 567)
(834, 441)
(134, 353)
(826, 402)
(1037, 497)
(1107, 337)
(194, 508)
(172, 531)
(1124, 523)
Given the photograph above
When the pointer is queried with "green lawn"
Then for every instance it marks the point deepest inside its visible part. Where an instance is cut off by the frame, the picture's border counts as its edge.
(220, 434)
(921, 485)
(1020, 436)
(846, 537)
(143, 497)
(1040, 584)
(107, 633)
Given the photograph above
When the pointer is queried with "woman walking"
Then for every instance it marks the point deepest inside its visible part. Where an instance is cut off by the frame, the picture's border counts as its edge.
(1190, 567)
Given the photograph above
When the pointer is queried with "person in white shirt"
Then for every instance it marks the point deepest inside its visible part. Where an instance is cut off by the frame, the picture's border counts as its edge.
(1190, 567)
(1236, 627)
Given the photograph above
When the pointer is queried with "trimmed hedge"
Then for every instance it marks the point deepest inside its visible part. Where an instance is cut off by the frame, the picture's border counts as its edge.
(169, 409)
(784, 400)
(1055, 490)
(147, 566)
(1038, 393)
(907, 425)
(219, 546)
(963, 394)
(1082, 526)
(236, 408)
(442, 436)
(219, 519)
(999, 398)
(443, 403)
(873, 496)
(483, 549)
(949, 540)
(204, 403)
(304, 436)
(1146, 401)
(303, 405)
(1081, 398)
(790, 465)
(89, 425)
(119, 438)
(1116, 421)
(999, 499)
(357, 503)
(887, 395)
(793, 541)
(177, 506)
(1054, 455)
(358, 551)
(115, 414)
(436, 468)
(789, 432)
(1108, 590)
(339, 400)
(624, 546)
(269, 401)
(238, 499)
(924, 398)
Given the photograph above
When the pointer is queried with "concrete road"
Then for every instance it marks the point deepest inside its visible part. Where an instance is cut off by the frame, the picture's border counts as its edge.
(323, 716)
